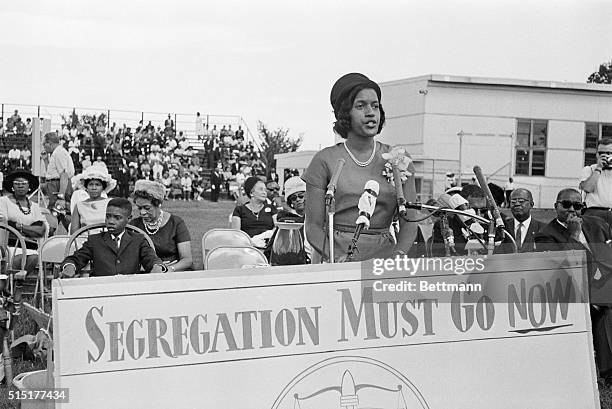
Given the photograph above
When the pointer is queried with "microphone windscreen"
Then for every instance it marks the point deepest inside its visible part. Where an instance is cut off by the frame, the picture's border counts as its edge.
(373, 186)
(457, 200)
(444, 200)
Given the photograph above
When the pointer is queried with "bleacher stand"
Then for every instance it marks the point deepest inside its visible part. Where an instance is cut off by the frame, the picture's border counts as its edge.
(143, 152)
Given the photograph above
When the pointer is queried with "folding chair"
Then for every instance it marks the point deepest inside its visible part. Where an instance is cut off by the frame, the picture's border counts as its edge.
(52, 251)
(224, 237)
(102, 226)
(6, 263)
(7, 255)
(226, 257)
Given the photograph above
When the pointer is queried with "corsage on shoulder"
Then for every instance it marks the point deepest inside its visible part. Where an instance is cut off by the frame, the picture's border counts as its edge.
(400, 158)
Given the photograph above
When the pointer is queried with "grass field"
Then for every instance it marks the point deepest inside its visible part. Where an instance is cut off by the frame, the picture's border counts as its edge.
(201, 217)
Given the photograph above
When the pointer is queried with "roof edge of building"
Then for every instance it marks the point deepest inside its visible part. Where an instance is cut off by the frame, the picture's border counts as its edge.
(441, 79)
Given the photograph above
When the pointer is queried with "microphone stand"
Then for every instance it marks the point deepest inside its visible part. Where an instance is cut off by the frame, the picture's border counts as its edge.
(445, 226)
(353, 246)
(420, 206)
(491, 223)
(491, 242)
(330, 207)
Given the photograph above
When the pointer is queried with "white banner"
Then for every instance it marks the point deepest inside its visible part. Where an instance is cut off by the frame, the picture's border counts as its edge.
(308, 337)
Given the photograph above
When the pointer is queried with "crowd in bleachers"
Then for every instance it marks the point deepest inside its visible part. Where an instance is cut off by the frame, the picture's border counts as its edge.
(145, 152)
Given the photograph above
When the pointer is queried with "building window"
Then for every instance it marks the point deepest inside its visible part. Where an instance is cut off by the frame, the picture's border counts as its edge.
(531, 138)
(593, 132)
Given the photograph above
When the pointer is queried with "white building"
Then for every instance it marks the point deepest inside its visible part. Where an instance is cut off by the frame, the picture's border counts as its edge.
(540, 133)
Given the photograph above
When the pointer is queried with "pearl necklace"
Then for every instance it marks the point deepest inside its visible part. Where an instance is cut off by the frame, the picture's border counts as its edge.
(154, 227)
(256, 214)
(357, 162)
(21, 209)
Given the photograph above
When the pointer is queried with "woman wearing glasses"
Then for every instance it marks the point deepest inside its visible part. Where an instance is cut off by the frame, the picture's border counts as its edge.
(289, 246)
(19, 212)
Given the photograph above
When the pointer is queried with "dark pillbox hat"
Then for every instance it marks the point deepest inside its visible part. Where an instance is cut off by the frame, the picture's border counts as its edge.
(345, 84)
(249, 184)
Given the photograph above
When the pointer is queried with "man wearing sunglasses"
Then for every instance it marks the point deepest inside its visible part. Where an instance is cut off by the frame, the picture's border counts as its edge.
(596, 181)
(570, 231)
(274, 197)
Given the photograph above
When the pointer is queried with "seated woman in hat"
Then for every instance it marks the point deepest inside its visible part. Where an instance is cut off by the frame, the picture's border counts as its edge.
(289, 245)
(19, 212)
(169, 232)
(257, 217)
(95, 180)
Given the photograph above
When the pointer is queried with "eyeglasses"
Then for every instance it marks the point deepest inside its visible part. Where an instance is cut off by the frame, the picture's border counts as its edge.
(21, 183)
(519, 201)
(604, 152)
(274, 189)
(568, 203)
(297, 196)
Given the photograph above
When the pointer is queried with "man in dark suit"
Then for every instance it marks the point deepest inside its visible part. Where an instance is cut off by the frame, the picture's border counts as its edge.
(215, 184)
(116, 251)
(569, 231)
(521, 226)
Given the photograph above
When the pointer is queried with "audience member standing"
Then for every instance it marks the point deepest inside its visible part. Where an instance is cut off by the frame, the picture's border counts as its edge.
(199, 126)
(60, 170)
(596, 181)
(122, 174)
(215, 184)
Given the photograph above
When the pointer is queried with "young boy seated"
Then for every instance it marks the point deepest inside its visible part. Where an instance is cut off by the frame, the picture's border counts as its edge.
(116, 251)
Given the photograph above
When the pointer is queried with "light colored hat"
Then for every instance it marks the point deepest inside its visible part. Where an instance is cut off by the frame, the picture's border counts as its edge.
(94, 172)
(293, 185)
(457, 200)
(155, 189)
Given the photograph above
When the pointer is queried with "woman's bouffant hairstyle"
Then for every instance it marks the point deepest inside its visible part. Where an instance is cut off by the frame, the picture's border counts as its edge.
(343, 122)
(87, 181)
(141, 194)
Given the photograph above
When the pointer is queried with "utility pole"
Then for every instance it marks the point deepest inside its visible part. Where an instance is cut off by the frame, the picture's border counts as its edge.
(460, 134)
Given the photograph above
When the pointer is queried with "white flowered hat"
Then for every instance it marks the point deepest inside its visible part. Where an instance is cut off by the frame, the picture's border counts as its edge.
(293, 185)
(94, 172)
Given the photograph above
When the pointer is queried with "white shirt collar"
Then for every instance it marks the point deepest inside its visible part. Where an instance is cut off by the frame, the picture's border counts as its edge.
(118, 237)
(526, 223)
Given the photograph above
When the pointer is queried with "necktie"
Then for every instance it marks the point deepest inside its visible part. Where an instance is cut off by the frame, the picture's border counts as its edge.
(116, 240)
(519, 235)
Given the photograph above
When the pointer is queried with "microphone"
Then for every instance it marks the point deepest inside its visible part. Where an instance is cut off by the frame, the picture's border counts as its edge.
(399, 191)
(366, 206)
(333, 183)
(499, 222)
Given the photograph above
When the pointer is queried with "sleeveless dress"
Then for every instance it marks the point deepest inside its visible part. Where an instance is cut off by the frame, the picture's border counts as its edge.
(92, 212)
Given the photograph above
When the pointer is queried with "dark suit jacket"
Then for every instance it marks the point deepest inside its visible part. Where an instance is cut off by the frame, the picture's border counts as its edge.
(215, 179)
(528, 241)
(106, 260)
(596, 232)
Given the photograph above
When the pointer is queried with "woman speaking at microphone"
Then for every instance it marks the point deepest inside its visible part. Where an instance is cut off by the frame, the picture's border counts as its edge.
(356, 101)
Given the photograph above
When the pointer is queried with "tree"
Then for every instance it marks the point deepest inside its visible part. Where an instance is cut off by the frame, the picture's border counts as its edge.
(274, 142)
(603, 75)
